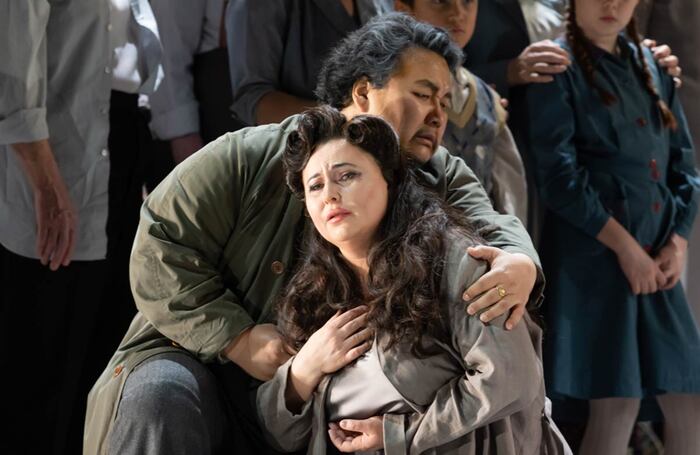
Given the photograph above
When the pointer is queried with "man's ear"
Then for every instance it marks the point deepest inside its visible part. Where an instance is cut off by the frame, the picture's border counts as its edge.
(401, 7)
(360, 94)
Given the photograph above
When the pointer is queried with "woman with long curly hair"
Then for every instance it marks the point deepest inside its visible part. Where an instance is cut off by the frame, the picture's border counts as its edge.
(615, 168)
(386, 355)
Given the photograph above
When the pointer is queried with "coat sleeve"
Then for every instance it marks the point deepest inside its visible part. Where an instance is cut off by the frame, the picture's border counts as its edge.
(502, 375)
(255, 32)
(174, 108)
(287, 431)
(23, 71)
(562, 183)
(682, 179)
(509, 186)
(175, 261)
(464, 192)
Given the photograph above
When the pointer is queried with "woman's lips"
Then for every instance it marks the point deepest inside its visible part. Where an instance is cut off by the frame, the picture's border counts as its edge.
(338, 218)
(337, 215)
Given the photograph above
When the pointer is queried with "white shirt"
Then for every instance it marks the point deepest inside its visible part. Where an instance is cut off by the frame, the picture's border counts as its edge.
(545, 19)
(122, 42)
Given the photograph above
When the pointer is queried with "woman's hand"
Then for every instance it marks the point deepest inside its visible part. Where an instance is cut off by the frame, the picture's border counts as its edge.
(507, 285)
(671, 259)
(357, 435)
(643, 274)
(341, 340)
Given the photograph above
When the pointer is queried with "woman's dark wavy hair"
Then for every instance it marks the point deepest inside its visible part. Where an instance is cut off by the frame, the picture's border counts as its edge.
(374, 52)
(406, 262)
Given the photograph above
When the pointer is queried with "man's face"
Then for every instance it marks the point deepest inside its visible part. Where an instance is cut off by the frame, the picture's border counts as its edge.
(458, 17)
(413, 101)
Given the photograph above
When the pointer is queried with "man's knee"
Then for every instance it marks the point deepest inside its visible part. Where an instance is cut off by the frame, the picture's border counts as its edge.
(167, 383)
(169, 402)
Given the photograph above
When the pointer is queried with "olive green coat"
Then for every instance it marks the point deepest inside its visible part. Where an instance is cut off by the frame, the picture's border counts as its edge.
(215, 241)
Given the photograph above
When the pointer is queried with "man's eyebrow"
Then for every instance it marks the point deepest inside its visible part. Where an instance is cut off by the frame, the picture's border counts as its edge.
(335, 166)
(433, 88)
(429, 84)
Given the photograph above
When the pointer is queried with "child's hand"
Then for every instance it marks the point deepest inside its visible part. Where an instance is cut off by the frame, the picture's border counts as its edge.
(642, 272)
(671, 259)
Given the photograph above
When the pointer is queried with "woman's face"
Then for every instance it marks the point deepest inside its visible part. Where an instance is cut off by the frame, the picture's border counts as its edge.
(458, 17)
(601, 19)
(346, 194)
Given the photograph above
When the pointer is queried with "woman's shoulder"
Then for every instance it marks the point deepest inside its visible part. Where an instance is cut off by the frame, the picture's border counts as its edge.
(460, 270)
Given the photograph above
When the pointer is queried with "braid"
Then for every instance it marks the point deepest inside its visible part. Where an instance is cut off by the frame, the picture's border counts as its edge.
(669, 120)
(577, 40)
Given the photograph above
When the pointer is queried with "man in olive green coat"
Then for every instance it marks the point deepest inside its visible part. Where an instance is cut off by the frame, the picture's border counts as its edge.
(218, 236)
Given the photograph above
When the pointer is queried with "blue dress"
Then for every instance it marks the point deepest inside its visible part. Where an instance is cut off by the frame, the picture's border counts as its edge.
(592, 162)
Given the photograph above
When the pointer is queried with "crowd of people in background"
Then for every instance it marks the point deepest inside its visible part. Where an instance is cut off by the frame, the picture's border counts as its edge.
(315, 226)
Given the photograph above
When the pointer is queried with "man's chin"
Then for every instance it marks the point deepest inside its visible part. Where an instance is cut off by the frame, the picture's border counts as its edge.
(420, 152)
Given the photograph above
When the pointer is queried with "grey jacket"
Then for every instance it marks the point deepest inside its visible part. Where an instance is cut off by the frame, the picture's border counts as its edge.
(495, 402)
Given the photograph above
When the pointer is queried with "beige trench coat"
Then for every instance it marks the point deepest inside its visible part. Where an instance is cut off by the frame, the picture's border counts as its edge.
(495, 404)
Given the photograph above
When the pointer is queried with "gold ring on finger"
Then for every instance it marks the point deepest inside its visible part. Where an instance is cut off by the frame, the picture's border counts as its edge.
(501, 291)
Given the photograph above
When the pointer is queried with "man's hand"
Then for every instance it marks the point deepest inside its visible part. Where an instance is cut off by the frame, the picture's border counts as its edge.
(537, 63)
(56, 219)
(664, 57)
(184, 146)
(671, 260)
(56, 216)
(259, 351)
(357, 435)
(507, 285)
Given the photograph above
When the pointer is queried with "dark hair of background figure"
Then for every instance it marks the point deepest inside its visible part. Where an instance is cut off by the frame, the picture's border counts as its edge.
(581, 45)
(406, 262)
(374, 52)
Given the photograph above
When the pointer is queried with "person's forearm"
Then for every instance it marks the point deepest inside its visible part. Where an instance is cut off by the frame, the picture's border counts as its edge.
(237, 348)
(678, 240)
(302, 383)
(615, 236)
(276, 106)
(38, 162)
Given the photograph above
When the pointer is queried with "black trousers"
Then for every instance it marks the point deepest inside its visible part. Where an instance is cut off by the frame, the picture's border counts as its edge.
(47, 323)
(130, 148)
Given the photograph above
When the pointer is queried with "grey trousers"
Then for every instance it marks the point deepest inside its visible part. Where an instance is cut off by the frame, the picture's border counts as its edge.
(171, 404)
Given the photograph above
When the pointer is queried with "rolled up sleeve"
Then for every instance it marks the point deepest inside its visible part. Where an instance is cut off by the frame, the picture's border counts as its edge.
(255, 35)
(23, 71)
(174, 107)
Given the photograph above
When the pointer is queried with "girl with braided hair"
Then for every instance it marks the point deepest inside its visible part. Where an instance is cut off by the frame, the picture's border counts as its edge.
(614, 166)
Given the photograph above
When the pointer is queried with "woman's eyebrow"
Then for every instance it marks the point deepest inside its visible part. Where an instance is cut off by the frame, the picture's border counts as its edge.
(335, 166)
